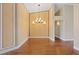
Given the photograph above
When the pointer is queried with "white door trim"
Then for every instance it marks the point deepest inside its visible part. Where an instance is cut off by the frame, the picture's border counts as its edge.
(1, 28)
(13, 34)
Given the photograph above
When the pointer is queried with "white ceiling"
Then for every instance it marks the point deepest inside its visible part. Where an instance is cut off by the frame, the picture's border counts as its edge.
(33, 7)
(59, 6)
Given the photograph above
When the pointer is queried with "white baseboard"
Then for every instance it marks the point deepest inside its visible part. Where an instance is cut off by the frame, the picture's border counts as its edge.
(76, 48)
(12, 48)
(39, 37)
(22, 43)
(7, 50)
(51, 39)
(43, 37)
(66, 39)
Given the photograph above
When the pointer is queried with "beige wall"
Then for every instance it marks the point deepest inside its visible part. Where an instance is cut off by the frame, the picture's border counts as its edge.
(51, 23)
(39, 30)
(22, 23)
(7, 25)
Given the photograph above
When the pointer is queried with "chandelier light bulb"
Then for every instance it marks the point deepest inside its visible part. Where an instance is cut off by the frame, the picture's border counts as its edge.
(44, 22)
(40, 18)
(39, 21)
(33, 22)
(36, 20)
(58, 23)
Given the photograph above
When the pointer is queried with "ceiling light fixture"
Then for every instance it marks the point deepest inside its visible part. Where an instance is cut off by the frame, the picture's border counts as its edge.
(38, 19)
(58, 23)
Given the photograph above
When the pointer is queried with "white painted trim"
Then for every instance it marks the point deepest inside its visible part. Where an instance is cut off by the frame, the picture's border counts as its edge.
(76, 48)
(53, 30)
(1, 25)
(7, 50)
(52, 39)
(23, 42)
(13, 48)
(14, 24)
(39, 37)
(66, 39)
(0, 28)
(43, 37)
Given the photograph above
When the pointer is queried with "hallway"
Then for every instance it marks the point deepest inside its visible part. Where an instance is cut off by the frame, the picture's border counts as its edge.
(44, 46)
(32, 29)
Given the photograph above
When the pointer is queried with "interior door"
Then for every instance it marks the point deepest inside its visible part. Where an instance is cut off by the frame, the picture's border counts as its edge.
(39, 30)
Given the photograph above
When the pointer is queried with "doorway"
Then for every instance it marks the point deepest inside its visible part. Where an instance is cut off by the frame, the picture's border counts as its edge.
(58, 24)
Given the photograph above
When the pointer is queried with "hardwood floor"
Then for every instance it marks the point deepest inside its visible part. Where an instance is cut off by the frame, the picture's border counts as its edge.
(44, 46)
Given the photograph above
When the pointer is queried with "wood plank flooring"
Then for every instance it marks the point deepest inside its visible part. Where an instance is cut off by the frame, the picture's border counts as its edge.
(44, 46)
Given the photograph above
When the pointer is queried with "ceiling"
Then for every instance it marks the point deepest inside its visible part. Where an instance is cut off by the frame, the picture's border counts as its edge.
(59, 6)
(34, 7)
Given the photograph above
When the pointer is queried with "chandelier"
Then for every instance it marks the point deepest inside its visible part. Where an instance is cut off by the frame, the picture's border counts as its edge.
(39, 19)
